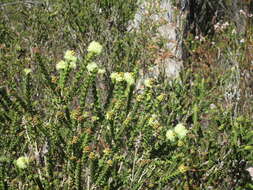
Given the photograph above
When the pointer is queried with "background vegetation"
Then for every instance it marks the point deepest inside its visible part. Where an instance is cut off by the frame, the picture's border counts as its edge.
(76, 128)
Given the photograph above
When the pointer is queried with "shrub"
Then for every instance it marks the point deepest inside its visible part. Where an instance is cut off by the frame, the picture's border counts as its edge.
(71, 117)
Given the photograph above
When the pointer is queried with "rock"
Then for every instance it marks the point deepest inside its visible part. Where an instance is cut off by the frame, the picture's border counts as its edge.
(170, 66)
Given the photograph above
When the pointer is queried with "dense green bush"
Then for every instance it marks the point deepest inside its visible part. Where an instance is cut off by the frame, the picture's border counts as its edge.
(72, 119)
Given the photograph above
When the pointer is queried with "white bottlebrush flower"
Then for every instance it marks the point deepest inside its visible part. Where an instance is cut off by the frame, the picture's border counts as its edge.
(61, 65)
(92, 67)
(95, 47)
(170, 135)
(22, 162)
(70, 56)
(129, 78)
(180, 131)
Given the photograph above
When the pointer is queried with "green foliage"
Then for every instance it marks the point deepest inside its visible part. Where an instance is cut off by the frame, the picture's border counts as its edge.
(81, 124)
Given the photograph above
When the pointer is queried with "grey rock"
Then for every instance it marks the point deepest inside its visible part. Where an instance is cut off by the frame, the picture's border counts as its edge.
(171, 66)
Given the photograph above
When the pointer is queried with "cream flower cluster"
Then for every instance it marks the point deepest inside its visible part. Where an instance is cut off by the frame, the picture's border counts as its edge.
(70, 60)
(27, 71)
(22, 162)
(70, 56)
(179, 131)
(95, 48)
(118, 77)
(93, 68)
